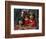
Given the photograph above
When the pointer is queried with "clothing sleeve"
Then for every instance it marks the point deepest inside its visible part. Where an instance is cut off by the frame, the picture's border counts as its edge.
(33, 23)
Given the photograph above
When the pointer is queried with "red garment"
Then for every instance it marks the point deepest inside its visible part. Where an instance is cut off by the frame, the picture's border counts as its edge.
(26, 22)
(32, 22)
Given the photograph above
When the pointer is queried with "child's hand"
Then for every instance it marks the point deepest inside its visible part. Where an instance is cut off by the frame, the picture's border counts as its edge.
(20, 22)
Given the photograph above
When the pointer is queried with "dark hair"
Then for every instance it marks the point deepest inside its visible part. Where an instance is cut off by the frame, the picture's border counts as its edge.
(32, 15)
(26, 15)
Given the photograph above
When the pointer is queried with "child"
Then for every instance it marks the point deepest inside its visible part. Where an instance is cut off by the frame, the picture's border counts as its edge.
(26, 20)
(32, 21)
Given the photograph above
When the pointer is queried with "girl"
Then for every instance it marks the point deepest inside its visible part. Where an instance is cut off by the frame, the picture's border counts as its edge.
(32, 21)
(26, 20)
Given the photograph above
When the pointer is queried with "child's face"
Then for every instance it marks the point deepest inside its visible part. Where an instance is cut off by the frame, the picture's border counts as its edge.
(31, 16)
(26, 18)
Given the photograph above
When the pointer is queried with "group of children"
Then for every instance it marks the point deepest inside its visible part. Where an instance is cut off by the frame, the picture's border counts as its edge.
(28, 21)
